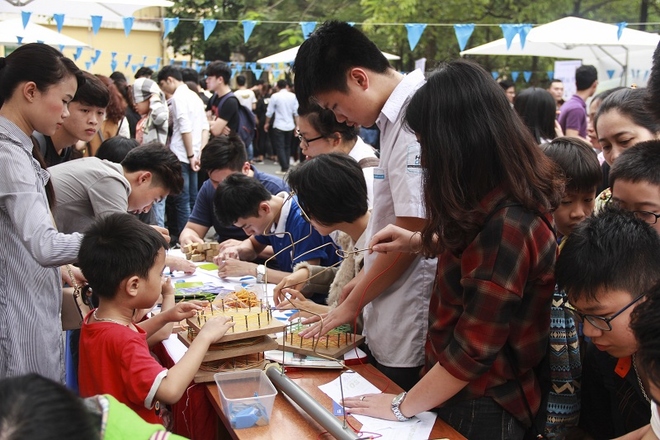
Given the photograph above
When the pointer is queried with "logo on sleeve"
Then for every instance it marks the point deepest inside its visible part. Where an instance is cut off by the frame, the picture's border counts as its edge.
(414, 159)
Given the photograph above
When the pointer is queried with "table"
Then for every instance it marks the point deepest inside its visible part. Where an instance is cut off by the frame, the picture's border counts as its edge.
(288, 421)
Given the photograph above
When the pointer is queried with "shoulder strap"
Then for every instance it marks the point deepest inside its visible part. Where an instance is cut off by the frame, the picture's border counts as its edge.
(369, 162)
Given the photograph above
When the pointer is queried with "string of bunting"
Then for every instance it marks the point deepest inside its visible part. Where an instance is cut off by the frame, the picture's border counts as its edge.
(462, 31)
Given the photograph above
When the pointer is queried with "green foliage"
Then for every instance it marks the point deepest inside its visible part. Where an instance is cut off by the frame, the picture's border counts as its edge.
(438, 43)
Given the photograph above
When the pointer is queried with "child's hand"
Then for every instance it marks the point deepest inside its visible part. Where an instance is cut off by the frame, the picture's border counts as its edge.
(183, 310)
(215, 328)
(166, 288)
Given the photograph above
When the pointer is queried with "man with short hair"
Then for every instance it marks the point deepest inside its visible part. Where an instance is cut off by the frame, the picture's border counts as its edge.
(86, 113)
(222, 156)
(556, 89)
(284, 106)
(189, 135)
(573, 114)
(245, 96)
(224, 112)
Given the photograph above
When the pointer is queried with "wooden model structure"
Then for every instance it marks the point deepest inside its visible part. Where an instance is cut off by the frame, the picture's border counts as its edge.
(198, 252)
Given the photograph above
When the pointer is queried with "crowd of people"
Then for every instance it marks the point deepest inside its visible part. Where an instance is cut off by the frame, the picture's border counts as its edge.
(500, 252)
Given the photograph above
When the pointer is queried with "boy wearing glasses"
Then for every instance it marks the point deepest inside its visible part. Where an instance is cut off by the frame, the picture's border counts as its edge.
(605, 267)
(275, 220)
(635, 182)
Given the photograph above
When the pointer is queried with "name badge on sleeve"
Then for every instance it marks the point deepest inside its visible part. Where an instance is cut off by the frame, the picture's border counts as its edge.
(414, 159)
(379, 173)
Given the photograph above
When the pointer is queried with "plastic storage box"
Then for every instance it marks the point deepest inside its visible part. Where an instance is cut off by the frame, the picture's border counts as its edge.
(247, 397)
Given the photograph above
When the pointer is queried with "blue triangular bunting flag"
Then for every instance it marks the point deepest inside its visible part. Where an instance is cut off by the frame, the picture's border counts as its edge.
(307, 28)
(184, 63)
(494, 74)
(248, 27)
(514, 76)
(415, 31)
(128, 25)
(134, 67)
(169, 24)
(19, 39)
(527, 75)
(610, 73)
(551, 74)
(96, 56)
(88, 65)
(78, 53)
(59, 20)
(646, 75)
(113, 65)
(523, 30)
(233, 72)
(61, 47)
(463, 33)
(128, 60)
(351, 23)
(509, 31)
(209, 26)
(96, 23)
(257, 73)
(113, 55)
(620, 27)
(25, 16)
(276, 73)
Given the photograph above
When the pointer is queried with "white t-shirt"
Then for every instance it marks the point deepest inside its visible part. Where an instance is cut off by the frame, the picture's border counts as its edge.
(284, 106)
(655, 419)
(246, 97)
(396, 322)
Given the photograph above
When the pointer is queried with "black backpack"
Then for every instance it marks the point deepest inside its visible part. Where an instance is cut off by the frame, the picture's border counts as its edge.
(247, 122)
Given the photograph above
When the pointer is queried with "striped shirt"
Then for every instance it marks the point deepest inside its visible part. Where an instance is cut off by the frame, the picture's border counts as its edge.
(32, 250)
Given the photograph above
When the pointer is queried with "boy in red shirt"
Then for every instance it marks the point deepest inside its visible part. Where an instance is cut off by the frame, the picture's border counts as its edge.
(123, 260)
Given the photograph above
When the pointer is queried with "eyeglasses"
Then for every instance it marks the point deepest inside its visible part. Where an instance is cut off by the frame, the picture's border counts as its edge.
(649, 217)
(599, 322)
(305, 141)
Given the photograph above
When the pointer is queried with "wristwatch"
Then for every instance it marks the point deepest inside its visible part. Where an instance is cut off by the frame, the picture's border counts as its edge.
(396, 403)
(261, 273)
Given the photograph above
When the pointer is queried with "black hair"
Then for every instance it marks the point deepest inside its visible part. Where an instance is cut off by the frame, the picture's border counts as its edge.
(330, 188)
(555, 80)
(641, 163)
(224, 152)
(538, 110)
(219, 70)
(326, 124)
(240, 80)
(115, 248)
(189, 74)
(282, 84)
(605, 93)
(169, 71)
(630, 103)
(160, 160)
(578, 162)
(645, 324)
(585, 76)
(118, 76)
(144, 72)
(472, 141)
(613, 251)
(33, 407)
(38, 63)
(506, 84)
(328, 54)
(116, 148)
(238, 196)
(93, 92)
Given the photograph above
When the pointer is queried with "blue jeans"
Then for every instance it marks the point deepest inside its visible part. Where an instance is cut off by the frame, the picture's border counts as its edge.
(482, 419)
(159, 211)
(282, 146)
(185, 201)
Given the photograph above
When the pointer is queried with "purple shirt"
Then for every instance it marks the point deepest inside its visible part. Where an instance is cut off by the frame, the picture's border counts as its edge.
(573, 115)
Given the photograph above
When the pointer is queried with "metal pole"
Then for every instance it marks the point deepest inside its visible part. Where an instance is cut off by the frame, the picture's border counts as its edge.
(322, 416)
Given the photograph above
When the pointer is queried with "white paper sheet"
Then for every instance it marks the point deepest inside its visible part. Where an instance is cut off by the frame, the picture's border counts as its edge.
(355, 385)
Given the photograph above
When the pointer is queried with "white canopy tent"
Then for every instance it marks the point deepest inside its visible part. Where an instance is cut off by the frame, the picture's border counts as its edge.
(289, 55)
(11, 29)
(590, 41)
(110, 10)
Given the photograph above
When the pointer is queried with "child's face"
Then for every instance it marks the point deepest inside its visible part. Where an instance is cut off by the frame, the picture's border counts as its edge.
(620, 341)
(150, 288)
(573, 209)
(643, 198)
(83, 121)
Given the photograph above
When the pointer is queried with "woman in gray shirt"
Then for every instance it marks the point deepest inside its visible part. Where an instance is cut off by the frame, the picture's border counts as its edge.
(36, 84)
